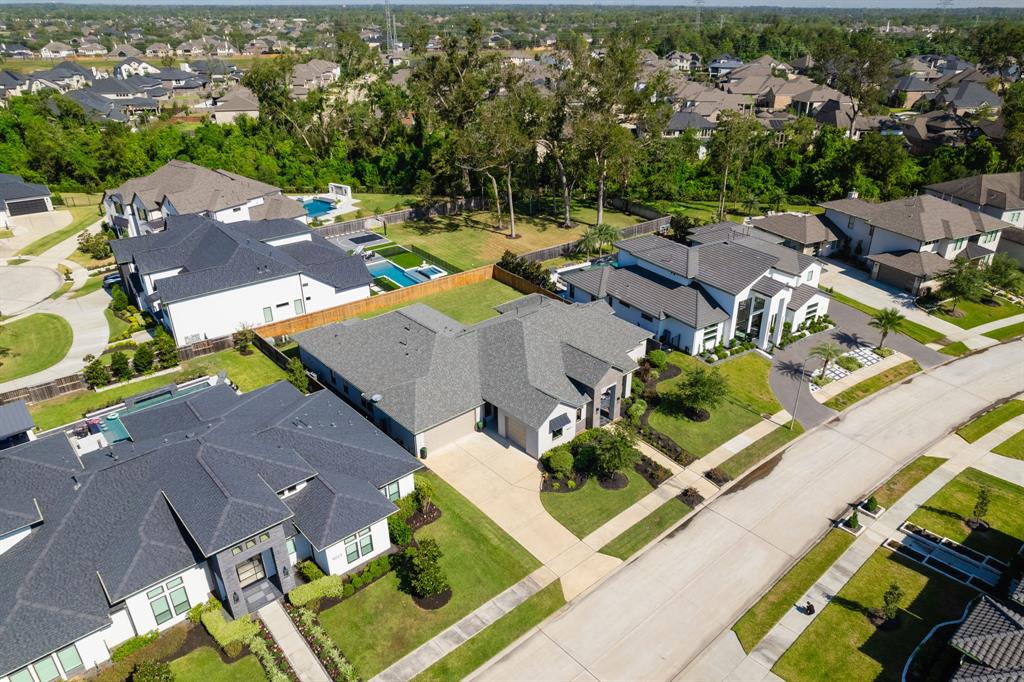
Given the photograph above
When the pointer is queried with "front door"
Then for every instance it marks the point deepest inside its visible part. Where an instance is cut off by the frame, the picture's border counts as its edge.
(250, 571)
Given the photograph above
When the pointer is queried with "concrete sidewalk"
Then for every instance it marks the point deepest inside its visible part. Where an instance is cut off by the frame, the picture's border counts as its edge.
(296, 650)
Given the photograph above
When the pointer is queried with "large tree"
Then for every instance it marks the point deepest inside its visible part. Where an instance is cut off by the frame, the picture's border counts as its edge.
(732, 144)
(859, 64)
(962, 280)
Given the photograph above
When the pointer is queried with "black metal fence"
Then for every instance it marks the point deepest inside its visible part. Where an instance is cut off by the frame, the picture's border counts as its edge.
(659, 224)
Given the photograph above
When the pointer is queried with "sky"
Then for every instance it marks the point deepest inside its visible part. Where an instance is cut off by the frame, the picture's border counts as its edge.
(803, 4)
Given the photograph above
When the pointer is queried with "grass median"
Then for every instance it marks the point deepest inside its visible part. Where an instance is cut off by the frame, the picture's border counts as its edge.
(978, 427)
(641, 533)
(914, 330)
(858, 392)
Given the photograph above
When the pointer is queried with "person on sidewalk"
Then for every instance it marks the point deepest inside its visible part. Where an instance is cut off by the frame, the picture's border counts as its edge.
(809, 609)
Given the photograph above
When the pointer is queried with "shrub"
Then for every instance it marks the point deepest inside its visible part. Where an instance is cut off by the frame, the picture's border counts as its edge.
(347, 590)
(636, 411)
(555, 485)
(195, 614)
(119, 366)
(95, 245)
(849, 363)
(636, 385)
(570, 484)
(399, 530)
(143, 360)
(357, 581)
(118, 299)
(427, 577)
(883, 352)
(166, 348)
(406, 507)
(423, 495)
(242, 339)
(559, 461)
(871, 504)
(310, 571)
(297, 375)
(150, 671)
(853, 522)
(328, 587)
(528, 270)
(96, 374)
(717, 476)
(229, 635)
(130, 646)
(658, 359)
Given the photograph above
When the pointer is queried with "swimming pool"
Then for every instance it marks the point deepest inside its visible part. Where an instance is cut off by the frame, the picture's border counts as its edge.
(396, 274)
(431, 272)
(317, 207)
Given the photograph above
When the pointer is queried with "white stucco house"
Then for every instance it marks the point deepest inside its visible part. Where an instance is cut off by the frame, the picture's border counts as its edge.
(206, 493)
(726, 285)
(204, 279)
(537, 374)
(141, 205)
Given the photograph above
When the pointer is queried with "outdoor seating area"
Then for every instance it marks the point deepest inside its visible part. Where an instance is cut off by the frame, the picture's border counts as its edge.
(326, 207)
(393, 266)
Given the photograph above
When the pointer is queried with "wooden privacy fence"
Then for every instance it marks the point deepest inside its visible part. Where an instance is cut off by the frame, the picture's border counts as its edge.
(51, 389)
(206, 347)
(281, 360)
(659, 224)
(395, 217)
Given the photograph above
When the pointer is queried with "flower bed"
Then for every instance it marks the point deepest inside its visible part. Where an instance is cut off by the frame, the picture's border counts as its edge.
(652, 471)
(335, 588)
(271, 657)
(331, 657)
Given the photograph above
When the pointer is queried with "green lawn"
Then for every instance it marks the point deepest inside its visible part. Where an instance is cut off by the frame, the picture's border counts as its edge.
(945, 511)
(590, 507)
(770, 608)
(249, 372)
(470, 240)
(761, 448)
(1006, 333)
(1012, 446)
(905, 479)
(705, 210)
(858, 392)
(115, 324)
(748, 382)
(93, 283)
(491, 640)
(978, 427)
(87, 261)
(469, 304)
(956, 349)
(380, 624)
(204, 665)
(370, 204)
(61, 290)
(637, 536)
(918, 332)
(841, 644)
(975, 313)
(81, 218)
(406, 259)
(33, 343)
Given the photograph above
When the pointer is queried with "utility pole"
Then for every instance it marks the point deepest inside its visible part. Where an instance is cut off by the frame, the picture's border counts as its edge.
(699, 4)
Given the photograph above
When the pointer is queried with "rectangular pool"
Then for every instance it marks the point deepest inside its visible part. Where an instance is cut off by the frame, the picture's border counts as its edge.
(396, 274)
(317, 207)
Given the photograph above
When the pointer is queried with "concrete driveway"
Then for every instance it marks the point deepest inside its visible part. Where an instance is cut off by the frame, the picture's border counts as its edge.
(651, 618)
(23, 286)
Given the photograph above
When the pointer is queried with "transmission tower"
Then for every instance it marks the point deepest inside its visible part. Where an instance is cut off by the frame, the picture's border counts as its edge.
(390, 39)
(698, 4)
(946, 5)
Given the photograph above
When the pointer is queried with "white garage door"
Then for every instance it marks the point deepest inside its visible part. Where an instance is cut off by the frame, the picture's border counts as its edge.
(516, 431)
(450, 431)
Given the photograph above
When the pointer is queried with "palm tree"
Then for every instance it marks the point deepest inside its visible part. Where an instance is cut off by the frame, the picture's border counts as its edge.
(886, 321)
(605, 234)
(828, 351)
(589, 242)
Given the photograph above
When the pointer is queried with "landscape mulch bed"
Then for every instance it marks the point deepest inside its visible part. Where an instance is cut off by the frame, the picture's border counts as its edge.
(690, 497)
(546, 485)
(424, 518)
(717, 476)
(653, 473)
(617, 481)
(435, 602)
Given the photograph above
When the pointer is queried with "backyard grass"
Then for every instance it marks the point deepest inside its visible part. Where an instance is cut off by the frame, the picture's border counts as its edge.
(380, 624)
(204, 665)
(905, 479)
(976, 428)
(956, 349)
(33, 343)
(248, 372)
(1006, 333)
(761, 448)
(858, 392)
(81, 218)
(469, 304)
(370, 204)
(1012, 446)
(588, 508)
(93, 283)
(842, 644)
(458, 664)
(637, 536)
(770, 608)
(975, 313)
(913, 330)
(115, 324)
(470, 240)
(945, 511)
(705, 210)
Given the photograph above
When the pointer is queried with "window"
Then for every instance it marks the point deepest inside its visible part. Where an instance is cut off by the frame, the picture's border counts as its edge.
(46, 670)
(268, 315)
(236, 550)
(710, 335)
(22, 675)
(289, 545)
(579, 413)
(812, 310)
(646, 317)
(158, 601)
(299, 306)
(249, 544)
(390, 491)
(624, 304)
(264, 537)
(179, 600)
(161, 610)
(358, 545)
(557, 433)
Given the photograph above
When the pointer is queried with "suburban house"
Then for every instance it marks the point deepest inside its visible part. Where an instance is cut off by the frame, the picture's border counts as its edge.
(811, 234)
(56, 50)
(910, 241)
(990, 641)
(206, 491)
(702, 128)
(537, 374)
(314, 74)
(141, 205)
(729, 284)
(18, 197)
(909, 89)
(12, 84)
(1000, 195)
(969, 97)
(204, 279)
(238, 102)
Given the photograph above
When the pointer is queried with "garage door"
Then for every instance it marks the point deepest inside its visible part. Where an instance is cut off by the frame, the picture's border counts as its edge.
(450, 431)
(896, 278)
(26, 206)
(516, 431)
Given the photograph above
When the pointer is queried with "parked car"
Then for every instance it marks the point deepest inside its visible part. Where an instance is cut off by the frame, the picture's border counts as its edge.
(110, 280)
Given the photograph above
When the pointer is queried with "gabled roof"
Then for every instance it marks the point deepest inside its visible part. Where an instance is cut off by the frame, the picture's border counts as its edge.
(797, 227)
(1004, 191)
(917, 263)
(992, 638)
(12, 188)
(14, 419)
(911, 83)
(924, 217)
(686, 120)
(970, 95)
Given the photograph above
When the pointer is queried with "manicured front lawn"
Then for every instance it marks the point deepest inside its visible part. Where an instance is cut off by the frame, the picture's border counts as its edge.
(905, 479)
(945, 511)
(81, 218)
(33, 343)
(978, 427)
(973, 313)
(588, 508)
(918, 332)
(248, 372)
(841, 644)
(458, 664)
(748, 382)
(858, 392)
(380, 624)
(956, 349)
(759, 449)
(1006, 333)
(470, 240)
(205, 665)
(769, 609)
(93, 283)
(1012, 446)
(469, 304)
(636, 537)
(115, 324)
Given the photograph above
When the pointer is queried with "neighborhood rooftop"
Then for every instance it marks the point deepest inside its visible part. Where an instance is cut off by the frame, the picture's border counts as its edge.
(924, 217)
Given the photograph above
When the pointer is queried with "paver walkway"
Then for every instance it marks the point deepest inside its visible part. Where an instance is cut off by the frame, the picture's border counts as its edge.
(295, 648)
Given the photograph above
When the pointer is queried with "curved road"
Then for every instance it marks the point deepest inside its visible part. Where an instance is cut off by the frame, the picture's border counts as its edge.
(652, 617)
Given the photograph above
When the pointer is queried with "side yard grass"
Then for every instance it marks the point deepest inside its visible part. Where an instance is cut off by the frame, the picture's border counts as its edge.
(956, 349)
(918, 332)
(469, 304)
(1006, 333)
(380, 624)
(1012, 446)
(458, 664)
(115, 325)
(858, 392)
(635, 538)
(81, 218)
(761, 448)
(33, 343)
(585, 510)
(974, 313)
(976, 428)
(93, 283)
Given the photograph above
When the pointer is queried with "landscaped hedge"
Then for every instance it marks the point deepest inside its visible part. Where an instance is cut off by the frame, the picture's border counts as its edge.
(231, 636)
(165, 646)
(338, 587)
(130, 646)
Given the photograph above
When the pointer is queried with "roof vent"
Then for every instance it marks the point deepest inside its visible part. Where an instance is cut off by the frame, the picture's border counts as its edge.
(75, 484)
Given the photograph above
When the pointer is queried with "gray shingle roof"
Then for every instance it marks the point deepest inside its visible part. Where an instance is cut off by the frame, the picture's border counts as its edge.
(992, 636)
(802, 229)
(801, 295)
(14, 419)
(918, 263)
(1000, 190)
(768, 286)
(182, 489)
(12, 188)
(924, 217)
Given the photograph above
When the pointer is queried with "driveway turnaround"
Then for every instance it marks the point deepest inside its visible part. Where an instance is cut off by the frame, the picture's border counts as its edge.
(23, 286)
(652, 617)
